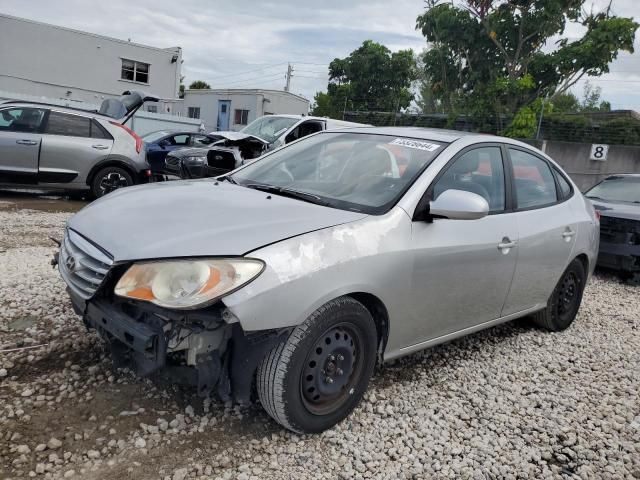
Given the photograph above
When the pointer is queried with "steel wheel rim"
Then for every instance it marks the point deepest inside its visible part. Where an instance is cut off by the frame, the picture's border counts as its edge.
(568, 294)
(112, 181)
(332, 369)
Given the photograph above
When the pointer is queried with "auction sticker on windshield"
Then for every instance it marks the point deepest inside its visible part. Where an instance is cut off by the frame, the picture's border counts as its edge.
(405, 142)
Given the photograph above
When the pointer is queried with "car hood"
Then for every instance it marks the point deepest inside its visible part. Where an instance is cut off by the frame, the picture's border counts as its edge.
(617, 209)
(197, 218)
(238, 136)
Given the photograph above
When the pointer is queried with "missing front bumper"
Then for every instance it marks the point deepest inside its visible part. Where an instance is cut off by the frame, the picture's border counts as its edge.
(220, 358)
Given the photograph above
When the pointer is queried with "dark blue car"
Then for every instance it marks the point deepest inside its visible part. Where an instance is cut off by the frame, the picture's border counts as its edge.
(160, 143)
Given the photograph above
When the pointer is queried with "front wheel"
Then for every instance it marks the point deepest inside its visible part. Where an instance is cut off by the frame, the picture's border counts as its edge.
(319, 375)
(565, 300)
(109, 179)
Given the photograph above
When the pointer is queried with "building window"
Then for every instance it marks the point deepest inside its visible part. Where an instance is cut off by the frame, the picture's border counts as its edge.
(193, 112)
(152, 108)
(135, 71)
(241, 117)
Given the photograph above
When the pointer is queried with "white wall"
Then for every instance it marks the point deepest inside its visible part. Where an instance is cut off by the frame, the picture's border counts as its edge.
(46, 60)
(257, 101)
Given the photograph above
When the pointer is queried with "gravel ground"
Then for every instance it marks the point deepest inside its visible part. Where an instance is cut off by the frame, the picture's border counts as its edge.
(510, 402)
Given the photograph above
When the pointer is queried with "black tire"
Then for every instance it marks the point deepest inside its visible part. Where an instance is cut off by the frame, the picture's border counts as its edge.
(109, 179)
(564, 303)
(342, 329)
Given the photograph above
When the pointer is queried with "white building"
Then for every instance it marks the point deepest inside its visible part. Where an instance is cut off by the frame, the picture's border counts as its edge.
(232, 109)
(45, 60)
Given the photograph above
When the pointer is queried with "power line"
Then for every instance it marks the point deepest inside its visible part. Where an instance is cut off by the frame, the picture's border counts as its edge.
(266, 67)
(275, 76)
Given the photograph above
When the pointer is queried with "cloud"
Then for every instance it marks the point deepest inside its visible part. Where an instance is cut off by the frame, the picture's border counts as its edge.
(221, 40)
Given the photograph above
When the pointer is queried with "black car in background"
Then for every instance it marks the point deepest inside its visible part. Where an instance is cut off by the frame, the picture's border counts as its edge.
(617, 199)
(162, 142)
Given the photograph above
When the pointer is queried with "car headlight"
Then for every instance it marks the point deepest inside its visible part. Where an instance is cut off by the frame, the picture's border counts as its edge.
(198, 159)
(187, 284)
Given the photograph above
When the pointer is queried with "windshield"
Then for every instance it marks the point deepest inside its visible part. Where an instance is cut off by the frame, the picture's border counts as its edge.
(351, 171)
(269, 127)
(153, 136)
(617, 189)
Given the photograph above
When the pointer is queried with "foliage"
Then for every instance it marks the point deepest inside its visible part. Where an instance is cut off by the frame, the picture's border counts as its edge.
(199, 85)
(488, 57)
(181, 91)
(370, 78)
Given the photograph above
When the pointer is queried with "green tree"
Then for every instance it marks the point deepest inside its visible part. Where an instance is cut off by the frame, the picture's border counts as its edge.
(199, 85)
(371, 78)
(488, 57)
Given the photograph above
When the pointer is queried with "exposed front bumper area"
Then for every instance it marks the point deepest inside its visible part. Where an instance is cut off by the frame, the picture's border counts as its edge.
(199, 349)
(619, 244)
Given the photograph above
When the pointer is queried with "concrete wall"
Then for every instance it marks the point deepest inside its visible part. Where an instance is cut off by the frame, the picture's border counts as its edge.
(257, 102)
(46, 60)
(575, 160)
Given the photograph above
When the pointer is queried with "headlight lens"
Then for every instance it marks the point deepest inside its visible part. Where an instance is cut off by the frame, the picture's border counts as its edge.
(187, 284)
(199, 159)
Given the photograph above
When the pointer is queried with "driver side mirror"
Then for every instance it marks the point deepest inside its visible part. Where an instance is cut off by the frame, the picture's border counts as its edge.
(459, 205)
(164, 143)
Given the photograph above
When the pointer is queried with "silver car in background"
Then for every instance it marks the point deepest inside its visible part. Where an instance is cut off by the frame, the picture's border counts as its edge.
(341, 250)
(54, 147)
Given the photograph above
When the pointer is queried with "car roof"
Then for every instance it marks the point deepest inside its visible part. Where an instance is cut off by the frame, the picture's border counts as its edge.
(62, 108)
(434, 134)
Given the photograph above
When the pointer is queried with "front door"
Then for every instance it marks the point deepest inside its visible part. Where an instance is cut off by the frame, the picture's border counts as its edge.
(224, 114)
(547, 230)
(20, 140)
(463, 268)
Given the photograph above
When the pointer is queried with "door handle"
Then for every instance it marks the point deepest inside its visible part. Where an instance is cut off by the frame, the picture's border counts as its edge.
(26, 142)
(99, 147)
(506, 245)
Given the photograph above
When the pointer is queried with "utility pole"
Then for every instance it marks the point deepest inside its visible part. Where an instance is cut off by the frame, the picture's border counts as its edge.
(289, 75)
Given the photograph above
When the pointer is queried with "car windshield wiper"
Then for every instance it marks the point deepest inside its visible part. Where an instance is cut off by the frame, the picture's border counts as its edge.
(288, 192)
(227, 178)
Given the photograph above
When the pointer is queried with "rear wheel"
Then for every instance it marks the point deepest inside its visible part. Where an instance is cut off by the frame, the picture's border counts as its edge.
(565, 300)
(109, 179)
(319, 375)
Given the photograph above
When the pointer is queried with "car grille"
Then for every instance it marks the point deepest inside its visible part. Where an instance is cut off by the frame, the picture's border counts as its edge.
(619, 230)
(82, 265)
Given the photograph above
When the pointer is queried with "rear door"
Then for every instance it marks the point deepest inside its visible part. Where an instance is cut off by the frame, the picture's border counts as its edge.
(20, 139)
(546, 227)
(71, 145)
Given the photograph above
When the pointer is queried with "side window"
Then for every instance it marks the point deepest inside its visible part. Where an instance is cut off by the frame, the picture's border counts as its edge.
(293, 135)
(180, 140)
(98, 131)
(534, 181)
(26, 120)
(478, 171)
(68, 125)
(565, 186)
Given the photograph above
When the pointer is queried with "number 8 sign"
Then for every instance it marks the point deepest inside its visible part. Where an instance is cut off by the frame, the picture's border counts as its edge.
(599, 152)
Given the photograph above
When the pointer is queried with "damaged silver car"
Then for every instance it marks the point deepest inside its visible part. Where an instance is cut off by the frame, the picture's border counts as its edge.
(300, 272)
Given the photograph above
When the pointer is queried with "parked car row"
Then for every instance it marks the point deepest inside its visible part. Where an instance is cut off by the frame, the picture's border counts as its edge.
(54, 147)
(235, 148)
(298, 272)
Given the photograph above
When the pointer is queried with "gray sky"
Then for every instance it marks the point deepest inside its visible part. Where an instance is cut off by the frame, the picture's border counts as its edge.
(222, 40)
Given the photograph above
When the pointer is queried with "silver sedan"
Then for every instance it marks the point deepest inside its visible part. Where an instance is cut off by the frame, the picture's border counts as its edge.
(305, 268)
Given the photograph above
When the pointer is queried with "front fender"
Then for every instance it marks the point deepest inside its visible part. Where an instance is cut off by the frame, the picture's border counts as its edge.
(305, 272)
